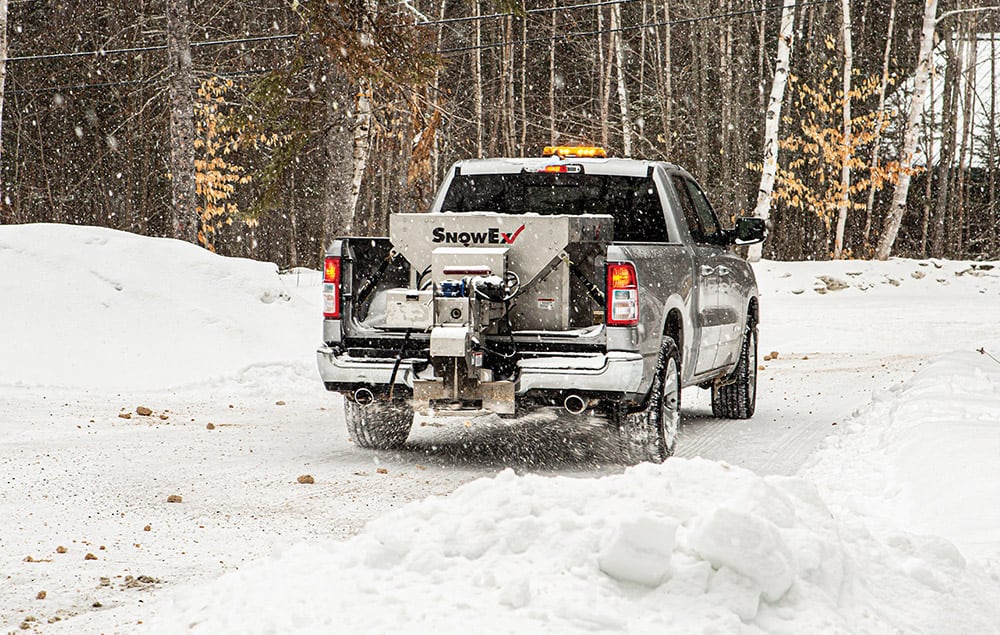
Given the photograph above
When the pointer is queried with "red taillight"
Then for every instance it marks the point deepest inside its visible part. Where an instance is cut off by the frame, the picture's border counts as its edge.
(622, 295)
(331, 288)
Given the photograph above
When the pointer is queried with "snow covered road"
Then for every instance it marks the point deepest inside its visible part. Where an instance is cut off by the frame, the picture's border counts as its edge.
(221, 354)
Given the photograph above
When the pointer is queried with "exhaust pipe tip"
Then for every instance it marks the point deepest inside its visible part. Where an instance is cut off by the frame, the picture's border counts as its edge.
(575, 404)
(363, 396)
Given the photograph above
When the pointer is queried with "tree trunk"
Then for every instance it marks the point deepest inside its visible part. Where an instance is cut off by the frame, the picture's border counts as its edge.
(293, 229)
(726, 114)
(436, 148)
(880, 119)
(925, 221)
(605, 76)
(523, 144)
(846, 151)
(769, 167)
(552, 80)
(508, 85)
(642, 52)
(336, 217)
(616, 37)
(761, 69)
(995, 211)
(3, 77)
(361, 148)
(949, 113)
(699, 48)
(185, 214)
(478, 84)
(668, 91)
(967, 147)
(895, 216)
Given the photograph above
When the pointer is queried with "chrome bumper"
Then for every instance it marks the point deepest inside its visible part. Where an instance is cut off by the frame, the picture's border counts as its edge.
(597, 372)
(345, 371)
(611, 372)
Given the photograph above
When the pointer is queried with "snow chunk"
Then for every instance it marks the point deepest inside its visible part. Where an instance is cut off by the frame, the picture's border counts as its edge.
(639, 551)
(747, 544)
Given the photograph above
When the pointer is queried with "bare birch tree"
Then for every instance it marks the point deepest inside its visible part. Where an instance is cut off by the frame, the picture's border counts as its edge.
(184, 212)
(478, 86)
(845, 171)
(361, 149)
(895, 216)
(616, 38)
(769, 166)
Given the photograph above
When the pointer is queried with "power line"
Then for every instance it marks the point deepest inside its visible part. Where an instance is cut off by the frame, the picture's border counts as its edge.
(129, 82)
(143, 49)
(491, 16)
(647, 25)
(56, 89)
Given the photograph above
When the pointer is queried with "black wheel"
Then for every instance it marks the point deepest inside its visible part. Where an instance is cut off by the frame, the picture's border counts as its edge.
(737, 398)
(650, 433)
(378, 425)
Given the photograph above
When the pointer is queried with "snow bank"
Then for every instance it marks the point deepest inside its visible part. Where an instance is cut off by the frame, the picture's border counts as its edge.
(926, 456)
(910, 307)
(689, 546)
(114, 310)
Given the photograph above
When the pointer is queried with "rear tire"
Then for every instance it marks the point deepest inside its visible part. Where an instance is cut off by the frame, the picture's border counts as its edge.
(650, 433)
(378, 425)
(738, 399)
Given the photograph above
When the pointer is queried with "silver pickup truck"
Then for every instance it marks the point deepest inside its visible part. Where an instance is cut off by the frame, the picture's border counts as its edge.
(592, 284)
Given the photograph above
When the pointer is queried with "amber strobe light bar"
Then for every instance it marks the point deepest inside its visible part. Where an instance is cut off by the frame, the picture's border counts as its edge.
(577, 152)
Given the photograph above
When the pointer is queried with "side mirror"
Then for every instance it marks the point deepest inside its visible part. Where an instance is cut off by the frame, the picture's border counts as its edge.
(749, 230)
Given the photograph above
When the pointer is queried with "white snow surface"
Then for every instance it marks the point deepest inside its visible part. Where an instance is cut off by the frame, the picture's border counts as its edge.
(98, 308)
(892, 525)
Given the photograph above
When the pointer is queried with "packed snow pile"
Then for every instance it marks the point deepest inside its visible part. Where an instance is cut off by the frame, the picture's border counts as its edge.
(109, 309)
(926, 456)
(688, 546)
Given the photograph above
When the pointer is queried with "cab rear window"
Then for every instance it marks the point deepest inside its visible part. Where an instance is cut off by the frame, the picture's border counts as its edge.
(632, 201)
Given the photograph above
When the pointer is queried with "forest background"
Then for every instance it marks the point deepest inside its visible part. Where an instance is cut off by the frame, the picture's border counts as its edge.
(263, 128)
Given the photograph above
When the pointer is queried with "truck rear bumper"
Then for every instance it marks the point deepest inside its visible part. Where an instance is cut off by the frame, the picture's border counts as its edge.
(345, 373)
(614, 372)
